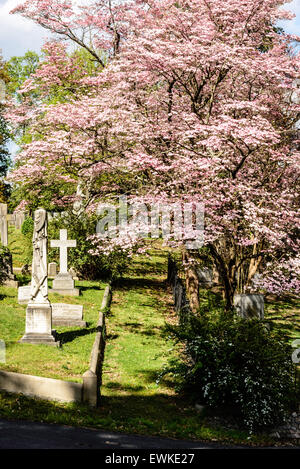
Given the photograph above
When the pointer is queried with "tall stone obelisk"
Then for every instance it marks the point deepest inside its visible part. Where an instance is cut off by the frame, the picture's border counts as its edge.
(39, 312)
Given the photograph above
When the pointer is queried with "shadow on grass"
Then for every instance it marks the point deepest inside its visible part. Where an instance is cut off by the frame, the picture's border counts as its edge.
(69, 336)
(124, 387)
(137, 282)
(93, 287)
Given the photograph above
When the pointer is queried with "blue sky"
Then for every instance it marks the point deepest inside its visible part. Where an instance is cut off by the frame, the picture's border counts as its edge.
(17, 35)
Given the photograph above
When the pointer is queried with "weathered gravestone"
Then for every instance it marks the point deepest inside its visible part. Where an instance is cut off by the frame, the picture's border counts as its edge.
(24, 294)
(52, 269)
(3, 224)
(38, 328)
(19, 219)
(205, 276)
(67, 315)
(64, 282)
(10, 280)
(11, 219)
(249, 306)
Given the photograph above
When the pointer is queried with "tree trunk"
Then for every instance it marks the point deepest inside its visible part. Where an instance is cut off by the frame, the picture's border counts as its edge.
(191, 279)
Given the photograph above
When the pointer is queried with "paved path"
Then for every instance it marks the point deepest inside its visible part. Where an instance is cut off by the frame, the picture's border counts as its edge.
(28, 435)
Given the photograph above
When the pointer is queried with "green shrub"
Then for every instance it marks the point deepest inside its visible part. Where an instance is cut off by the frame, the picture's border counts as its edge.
(88, 266)
(5, 260)
(27, 227)
(27, 232)
(230, 362)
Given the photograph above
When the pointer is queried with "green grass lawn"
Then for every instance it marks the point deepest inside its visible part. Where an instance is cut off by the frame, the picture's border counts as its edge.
(69, 361)
(284, 312)
(19, 246)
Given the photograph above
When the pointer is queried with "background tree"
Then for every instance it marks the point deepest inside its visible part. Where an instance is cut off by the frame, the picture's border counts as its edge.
(193, 104)
(4, 131)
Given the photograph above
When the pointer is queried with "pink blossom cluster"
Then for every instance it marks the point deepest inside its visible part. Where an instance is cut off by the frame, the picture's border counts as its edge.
(195, 101)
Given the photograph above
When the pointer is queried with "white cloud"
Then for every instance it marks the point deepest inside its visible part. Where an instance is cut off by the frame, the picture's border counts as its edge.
(292, 26)
(17, 34)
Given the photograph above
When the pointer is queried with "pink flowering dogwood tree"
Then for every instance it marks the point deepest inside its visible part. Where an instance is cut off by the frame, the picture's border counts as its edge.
(195, 101)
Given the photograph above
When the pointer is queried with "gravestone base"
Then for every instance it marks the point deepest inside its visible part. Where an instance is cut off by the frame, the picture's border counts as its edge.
(64, 285)
(64, 292)
(60, 322)
(39, 339)
(38, 328)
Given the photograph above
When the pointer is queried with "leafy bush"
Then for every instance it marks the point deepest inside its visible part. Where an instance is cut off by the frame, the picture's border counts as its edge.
(88, 266)
(27, 232)
(27, 227)
(235, 363)
(5, 260)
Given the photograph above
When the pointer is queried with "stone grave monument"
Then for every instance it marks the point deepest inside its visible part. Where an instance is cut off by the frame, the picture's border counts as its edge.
(38, 329)
(249, 306)
(7, 259)
(64, 282)
(19, 219)
(3, 224)
(10, 280)
(205, 276)
(52, 269)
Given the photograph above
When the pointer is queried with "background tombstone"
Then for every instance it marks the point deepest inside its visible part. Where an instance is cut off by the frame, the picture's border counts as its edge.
(64, 282)
(3, 224)
(24, 294)
(67, 315)
(73, 272)
(19, 219)
(249, 306)
(52, 269)
(205, 276)
(8, 267)
(38, 329)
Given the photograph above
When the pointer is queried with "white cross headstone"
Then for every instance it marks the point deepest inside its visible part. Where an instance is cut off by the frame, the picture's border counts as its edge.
(63, 244)
(63, 282)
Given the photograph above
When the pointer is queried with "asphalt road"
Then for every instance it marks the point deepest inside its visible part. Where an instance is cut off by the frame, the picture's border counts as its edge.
(28, 435)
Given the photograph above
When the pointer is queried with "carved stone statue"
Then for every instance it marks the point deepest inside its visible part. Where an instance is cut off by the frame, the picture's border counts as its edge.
(38, 329)
(39, 283)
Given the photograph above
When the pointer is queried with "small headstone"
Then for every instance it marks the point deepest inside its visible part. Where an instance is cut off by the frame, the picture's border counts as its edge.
(10, 280)
(73, 273)
(249, 306)
(52, 269)
(205, 276)
(19, 218)
(67, 315)
(24, 294)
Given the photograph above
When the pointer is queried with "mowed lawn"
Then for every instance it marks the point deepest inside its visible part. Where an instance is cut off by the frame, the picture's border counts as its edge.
(69, 361)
